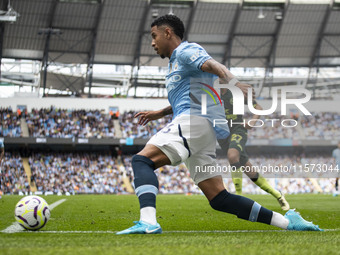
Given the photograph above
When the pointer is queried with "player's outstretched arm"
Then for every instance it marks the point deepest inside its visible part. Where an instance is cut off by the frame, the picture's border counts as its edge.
(214, 67)
(147, 116)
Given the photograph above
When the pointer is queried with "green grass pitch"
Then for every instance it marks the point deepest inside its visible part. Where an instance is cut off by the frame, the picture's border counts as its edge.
(86, 224)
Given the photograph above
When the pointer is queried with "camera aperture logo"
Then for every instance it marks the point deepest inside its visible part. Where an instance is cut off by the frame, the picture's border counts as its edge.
(204, 97)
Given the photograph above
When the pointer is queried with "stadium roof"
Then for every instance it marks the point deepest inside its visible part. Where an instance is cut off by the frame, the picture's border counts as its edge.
(237, 33)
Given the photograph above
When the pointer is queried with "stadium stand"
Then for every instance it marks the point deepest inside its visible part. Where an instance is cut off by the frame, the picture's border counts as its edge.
(63, 123)
(322, 125)
(130, 127)
(77, 173)
(13, 176)
(99, 173)
(10, 123)
(67, 123)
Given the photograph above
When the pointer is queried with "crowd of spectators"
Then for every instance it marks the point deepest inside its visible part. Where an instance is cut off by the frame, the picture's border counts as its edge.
(66, 123)
(97, 173)
(130, 128)
(76, 173)
(13, 178)
(176, 179)
(274, 126)
(10, 123)
(321, 125)
(61, 123)
(292, 174)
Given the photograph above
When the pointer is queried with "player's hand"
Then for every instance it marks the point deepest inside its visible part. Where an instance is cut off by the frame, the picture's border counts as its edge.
(147, 116)
(247, 127)
(244, 87)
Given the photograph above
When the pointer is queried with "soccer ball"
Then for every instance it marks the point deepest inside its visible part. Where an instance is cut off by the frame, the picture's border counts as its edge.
(32, 212)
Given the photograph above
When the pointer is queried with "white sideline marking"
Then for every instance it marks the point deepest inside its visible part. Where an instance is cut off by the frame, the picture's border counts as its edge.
(15, 227)
(173, 231)
(55, 204)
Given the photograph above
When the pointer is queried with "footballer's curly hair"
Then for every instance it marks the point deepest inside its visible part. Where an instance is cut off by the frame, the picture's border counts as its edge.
(173, 21)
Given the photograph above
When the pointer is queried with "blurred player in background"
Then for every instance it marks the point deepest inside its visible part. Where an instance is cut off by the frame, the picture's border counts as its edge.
(336, 156)
(235, 146)
(191, 138)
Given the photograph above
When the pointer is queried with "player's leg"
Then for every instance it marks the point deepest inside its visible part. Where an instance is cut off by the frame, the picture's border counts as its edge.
(164, 148)
(211, 184)
(237, 155)
(146, 188)
(220, 199)
(236, 173)
(145, 180)
(260, 181)
(234, 145)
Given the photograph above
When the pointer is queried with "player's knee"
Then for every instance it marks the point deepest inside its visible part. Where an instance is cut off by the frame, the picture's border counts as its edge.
(143, 169)
(134, 158)
(141, 166)
(139, 159)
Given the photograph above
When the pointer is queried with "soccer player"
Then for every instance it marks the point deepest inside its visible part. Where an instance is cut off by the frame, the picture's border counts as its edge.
(191, 138)
(336, 156)
(235, 146)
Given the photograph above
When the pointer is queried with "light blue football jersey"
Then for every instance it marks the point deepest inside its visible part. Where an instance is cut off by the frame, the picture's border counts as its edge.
(186, 82)
(1, 144)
